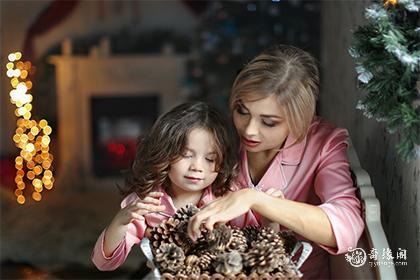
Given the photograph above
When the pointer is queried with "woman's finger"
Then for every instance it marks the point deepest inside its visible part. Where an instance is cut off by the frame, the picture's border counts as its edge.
(270, 191)
(195, 223)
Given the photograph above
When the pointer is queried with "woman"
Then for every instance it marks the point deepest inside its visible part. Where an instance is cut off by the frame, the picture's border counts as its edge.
(287, 148)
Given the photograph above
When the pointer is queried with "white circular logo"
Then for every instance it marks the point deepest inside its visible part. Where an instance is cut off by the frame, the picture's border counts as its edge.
(356, 257)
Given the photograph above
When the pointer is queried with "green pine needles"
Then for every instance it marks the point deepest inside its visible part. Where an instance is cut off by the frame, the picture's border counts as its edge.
(387, 55)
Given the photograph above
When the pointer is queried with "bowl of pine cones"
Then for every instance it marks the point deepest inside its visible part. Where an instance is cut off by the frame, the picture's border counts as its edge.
(224, 253)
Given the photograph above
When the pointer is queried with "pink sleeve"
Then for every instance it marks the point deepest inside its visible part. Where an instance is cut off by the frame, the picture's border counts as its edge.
(133, 236)
(334, 186)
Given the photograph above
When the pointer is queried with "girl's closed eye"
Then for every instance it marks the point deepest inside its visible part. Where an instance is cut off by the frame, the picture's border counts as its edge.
(187, 155)
(241, 110)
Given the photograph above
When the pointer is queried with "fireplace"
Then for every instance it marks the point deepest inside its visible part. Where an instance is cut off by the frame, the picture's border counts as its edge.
(117, 124)
(103, 104)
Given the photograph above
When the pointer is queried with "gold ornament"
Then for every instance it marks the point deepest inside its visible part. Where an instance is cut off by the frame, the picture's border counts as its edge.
(388, 3)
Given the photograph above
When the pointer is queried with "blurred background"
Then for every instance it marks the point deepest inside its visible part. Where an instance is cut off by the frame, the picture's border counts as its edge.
(103, 71)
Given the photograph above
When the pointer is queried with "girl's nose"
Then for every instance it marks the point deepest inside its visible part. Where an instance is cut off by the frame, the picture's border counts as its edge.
(196, 165)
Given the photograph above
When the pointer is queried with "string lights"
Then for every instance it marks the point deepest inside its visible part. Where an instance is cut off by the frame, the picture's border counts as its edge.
(32, 138)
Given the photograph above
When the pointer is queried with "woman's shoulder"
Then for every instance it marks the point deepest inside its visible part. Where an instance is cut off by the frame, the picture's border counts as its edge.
(320, 128)
(323, 135)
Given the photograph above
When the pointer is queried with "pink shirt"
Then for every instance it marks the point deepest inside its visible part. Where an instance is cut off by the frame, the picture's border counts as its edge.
(137, 228)
(316, 171)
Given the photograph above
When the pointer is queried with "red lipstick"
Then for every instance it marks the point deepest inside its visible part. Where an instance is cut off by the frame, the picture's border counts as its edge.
(250, 143)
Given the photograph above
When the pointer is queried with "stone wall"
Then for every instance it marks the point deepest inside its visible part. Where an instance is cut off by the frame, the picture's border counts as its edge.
(396, 183)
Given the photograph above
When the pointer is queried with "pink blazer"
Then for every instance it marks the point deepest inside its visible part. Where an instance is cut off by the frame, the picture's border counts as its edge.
(316, 171)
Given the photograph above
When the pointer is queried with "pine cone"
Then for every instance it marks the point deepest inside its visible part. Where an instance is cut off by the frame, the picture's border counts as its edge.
(229, 263)
(186, 212)
(217, 239)
(164, 233)
(288, 268)
(237, 241)
(205, 260)
(170, 258)
(263, 257)
(251, 233)
(181, 236)
(289, 240)
(271, 237)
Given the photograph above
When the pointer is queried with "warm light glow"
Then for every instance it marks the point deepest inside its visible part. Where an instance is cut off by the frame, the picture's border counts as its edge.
(12, 57)
(36, 196)
(32, 138)
(20, 199)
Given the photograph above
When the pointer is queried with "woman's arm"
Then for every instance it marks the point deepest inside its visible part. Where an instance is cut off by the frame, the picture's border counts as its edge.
(307, 220)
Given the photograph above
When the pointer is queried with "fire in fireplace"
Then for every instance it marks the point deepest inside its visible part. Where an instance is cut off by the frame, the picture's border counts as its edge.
(117, 124)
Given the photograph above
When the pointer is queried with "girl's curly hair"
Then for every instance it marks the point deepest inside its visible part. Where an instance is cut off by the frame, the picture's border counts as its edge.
(166, 142)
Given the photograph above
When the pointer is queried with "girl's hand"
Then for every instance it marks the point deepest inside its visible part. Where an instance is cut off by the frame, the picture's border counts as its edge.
(138, 208)
(117, 229)
(221, 210)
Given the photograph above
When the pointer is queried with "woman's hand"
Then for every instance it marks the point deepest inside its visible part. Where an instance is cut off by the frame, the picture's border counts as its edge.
(221, 210)
(117, 229)
(266, 222)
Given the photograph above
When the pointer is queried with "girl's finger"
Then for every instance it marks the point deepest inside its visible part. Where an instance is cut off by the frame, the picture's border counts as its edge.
(152, 200)
(155, 194)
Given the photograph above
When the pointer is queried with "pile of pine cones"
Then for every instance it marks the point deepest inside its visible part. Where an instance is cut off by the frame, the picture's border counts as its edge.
(225, 252)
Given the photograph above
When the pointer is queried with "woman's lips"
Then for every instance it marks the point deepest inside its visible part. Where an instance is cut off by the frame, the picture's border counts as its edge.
(250, 143)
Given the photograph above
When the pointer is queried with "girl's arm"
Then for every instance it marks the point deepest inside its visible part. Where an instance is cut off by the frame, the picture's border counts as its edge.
(126, 229)
(307, 220)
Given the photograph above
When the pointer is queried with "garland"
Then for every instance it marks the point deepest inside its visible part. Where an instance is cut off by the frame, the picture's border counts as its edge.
(387, 55)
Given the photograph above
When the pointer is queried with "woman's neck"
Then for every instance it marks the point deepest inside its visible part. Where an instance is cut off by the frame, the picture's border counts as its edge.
(181, 197)
(258, 164)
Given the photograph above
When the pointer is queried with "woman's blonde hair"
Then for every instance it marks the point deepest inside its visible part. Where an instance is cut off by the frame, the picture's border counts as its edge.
(287, 72)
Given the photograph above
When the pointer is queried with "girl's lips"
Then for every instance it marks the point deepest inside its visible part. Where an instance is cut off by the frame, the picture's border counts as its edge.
(250, 143)
(193, 179)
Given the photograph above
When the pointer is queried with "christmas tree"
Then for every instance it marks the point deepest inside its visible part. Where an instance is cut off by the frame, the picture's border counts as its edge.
(387, 55)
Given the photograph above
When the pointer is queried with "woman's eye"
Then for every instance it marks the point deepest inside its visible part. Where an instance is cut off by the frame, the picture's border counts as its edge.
(269, 123)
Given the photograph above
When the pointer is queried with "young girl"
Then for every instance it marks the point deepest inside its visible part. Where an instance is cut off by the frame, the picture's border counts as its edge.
(285, 146)
(186, 158)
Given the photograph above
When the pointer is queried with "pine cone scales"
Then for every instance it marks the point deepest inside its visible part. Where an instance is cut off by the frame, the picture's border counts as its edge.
(229, 263)
(289, 240)
(186, 212)
(223, 253)
(262, 258)
(169, 257)
(206, 259)
(237, 241)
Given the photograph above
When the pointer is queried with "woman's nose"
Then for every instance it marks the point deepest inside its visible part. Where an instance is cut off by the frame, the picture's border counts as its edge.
(251, 128)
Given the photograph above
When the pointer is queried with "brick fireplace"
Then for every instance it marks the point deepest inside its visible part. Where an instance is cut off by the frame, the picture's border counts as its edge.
(149, 83)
